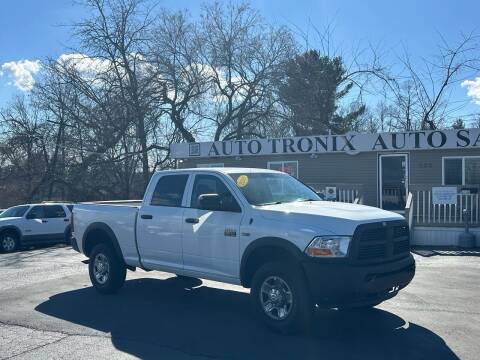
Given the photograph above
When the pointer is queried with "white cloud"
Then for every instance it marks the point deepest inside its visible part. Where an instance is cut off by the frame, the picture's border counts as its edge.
(473, 87)
(84, 63)
(22, 72)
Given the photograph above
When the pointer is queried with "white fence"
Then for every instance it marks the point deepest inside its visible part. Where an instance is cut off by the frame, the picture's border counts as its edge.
(346, 195)
(425, 212)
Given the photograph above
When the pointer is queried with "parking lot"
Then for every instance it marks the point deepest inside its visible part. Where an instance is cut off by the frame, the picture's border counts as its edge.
(48, 310)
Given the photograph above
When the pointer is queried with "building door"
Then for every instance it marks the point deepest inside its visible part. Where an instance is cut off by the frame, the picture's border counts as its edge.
(393, 181)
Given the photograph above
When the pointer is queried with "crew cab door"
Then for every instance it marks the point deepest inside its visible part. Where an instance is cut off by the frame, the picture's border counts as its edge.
(159, 223)
(211, 237)
(57, 220)
(36, 226)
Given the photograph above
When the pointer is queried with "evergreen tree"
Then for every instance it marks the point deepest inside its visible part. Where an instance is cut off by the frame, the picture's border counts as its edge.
(312, 88)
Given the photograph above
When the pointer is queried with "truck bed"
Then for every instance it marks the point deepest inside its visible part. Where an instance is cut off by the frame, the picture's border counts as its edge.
(120, 216)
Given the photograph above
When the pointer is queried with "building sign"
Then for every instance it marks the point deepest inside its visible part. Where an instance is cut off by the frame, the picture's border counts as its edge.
(444, 195)
(351, 143)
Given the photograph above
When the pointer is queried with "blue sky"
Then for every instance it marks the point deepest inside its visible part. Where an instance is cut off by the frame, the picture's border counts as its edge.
(33, 30)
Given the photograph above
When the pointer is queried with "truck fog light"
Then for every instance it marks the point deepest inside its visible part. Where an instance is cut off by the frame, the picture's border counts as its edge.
(328, 246)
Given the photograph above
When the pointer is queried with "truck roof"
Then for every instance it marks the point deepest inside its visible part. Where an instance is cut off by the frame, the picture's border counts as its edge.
(224, 170)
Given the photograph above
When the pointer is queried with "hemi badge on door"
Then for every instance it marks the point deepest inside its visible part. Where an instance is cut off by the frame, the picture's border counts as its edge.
(230, 232)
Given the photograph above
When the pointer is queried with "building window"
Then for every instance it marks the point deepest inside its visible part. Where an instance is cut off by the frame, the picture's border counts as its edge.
(472, 170)
(461, 170)
(289, 167)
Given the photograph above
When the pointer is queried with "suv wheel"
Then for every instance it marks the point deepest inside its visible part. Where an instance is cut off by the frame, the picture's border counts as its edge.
(9, 242)
(107, 272)
(68, 238)
(281, 298)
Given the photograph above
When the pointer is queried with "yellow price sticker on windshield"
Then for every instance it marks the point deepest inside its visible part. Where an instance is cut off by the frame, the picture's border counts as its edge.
(242, 181)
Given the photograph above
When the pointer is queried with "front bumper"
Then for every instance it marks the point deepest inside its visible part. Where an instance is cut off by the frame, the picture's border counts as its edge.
(341, 284)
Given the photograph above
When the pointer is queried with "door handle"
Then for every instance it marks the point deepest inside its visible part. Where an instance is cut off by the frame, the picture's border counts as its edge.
(44, 221)
(65, 220)
(146, 216)
(192, 220)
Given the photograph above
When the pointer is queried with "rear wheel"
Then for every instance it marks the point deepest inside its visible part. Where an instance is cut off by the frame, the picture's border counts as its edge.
(107, 271)
(9, 242)
(281, 298)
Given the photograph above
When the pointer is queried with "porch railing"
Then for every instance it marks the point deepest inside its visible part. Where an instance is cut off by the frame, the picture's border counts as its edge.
(426, 212)
(347, 195)
(409, 210)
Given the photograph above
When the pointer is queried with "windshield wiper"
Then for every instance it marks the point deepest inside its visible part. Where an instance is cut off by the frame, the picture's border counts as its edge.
(303, 200)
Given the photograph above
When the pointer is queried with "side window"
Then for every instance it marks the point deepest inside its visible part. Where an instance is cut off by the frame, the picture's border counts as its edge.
(209, 184)
(169, 190)
(37, 212)
(452, 171)
(54, 211)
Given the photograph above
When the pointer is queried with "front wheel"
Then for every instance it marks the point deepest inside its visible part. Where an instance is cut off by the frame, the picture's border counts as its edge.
(9, 242)
(107, 271)
(281, 298)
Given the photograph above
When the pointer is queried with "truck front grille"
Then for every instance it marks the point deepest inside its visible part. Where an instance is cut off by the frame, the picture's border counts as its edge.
(382, 241)
(372, 251)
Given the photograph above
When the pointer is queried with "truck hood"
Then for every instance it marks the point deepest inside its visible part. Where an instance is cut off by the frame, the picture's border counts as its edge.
(332, 217)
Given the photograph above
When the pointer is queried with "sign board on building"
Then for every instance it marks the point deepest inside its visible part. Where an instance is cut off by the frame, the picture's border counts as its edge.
(351, 143)
(444, 195)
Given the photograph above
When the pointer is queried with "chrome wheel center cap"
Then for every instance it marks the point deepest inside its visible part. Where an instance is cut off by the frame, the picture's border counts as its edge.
(275, 295)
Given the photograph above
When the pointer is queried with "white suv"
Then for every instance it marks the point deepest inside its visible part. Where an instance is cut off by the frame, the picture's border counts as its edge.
(34, 224)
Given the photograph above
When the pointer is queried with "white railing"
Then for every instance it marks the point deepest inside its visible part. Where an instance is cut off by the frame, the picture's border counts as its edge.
(426, 212)
(346, 195)
(409, 210)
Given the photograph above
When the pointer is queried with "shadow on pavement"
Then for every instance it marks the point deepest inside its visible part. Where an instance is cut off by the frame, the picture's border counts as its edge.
(149, 315)
(427, 251)
(25, 254)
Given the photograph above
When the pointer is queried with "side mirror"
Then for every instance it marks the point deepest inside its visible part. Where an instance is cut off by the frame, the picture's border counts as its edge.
(30, 216)
(210, 202)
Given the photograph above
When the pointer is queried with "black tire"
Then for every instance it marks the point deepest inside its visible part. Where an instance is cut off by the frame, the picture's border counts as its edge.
(114, 277)
(300, 313)
(68, 238)
(9, 242)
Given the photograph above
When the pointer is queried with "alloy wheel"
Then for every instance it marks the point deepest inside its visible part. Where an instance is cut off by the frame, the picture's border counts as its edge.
(101, 268)
(276, 298)
(8, 243)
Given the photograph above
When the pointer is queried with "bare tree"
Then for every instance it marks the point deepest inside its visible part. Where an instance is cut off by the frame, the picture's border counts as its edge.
(181, 79)
(430, 88)
(244, 56)
(118, 32)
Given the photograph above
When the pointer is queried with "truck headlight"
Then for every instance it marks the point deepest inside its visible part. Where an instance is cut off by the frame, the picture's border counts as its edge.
(328, 246)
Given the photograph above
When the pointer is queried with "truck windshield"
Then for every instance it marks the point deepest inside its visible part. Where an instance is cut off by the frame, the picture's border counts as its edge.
(16, 211)
(270, 188)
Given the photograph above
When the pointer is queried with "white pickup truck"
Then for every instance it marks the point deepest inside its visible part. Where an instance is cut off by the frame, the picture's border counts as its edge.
(261, 229)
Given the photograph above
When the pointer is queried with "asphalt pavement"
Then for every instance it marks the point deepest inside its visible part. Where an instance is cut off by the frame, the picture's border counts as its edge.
(49, 310)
